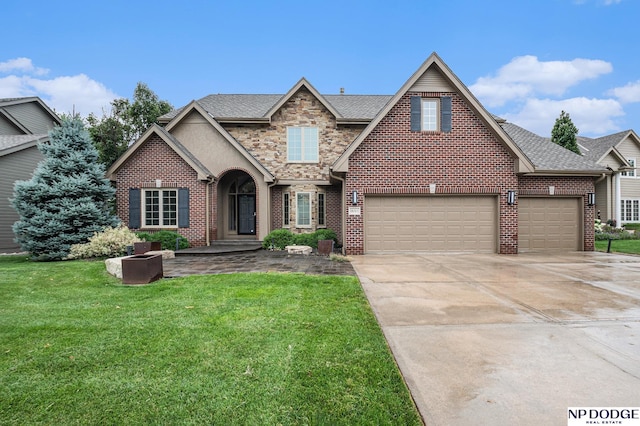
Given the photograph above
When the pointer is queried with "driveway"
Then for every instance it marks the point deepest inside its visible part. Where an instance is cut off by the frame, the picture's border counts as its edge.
(506, 340)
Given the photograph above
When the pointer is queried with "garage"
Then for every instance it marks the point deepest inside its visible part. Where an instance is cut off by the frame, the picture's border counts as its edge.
(431, 223)
(547, 223)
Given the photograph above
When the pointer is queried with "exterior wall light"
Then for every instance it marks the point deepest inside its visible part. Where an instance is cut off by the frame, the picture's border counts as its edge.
(511, 197)
(591, 198)
(354, 197)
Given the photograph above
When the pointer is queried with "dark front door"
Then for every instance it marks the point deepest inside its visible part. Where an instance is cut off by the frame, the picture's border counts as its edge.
(246, 214)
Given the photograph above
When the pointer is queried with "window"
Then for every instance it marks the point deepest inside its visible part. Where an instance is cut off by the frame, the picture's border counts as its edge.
(430, 114)
(321, 209)
(161, 208)
(630, 210)
(303, 209)
(302, 144)
(630, 173)
(285, 209)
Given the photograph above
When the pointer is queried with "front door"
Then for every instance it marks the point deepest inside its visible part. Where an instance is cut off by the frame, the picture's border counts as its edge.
(246, 214)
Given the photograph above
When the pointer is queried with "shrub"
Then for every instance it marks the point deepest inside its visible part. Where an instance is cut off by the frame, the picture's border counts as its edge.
(305, 240)
(112, 242)
(326, 234)
(167, 239)
(278, 239)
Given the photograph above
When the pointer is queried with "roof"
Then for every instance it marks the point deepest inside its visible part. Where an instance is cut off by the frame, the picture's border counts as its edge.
(596, 149)
(224, 107)
(547, 156)
(172, 142)
(14, 143)
(523, 163)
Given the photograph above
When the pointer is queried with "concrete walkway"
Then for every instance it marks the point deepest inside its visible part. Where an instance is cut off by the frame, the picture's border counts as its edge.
(510, 340)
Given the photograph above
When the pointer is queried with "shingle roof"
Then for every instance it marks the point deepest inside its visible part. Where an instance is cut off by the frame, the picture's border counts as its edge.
(548, 156)
(597, 148)
(255, 106)
(12, 143)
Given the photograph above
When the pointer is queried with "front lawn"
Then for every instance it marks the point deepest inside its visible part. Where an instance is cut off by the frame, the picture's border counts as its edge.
(77, 347)
(620, 246)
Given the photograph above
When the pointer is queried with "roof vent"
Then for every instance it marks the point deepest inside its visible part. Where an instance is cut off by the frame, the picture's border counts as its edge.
(342, 90)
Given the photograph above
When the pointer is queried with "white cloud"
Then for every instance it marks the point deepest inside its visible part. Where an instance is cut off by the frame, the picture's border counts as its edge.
(22, 65)
(627, 94)
(64, 94)
(591, 116)
(526, 76)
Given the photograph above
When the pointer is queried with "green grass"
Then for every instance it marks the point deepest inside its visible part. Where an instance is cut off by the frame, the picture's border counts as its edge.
(77, 347)
(620, 246)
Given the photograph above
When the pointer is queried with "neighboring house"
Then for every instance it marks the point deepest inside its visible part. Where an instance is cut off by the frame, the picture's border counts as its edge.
(427, 169)
(24, 122)
(617, 194)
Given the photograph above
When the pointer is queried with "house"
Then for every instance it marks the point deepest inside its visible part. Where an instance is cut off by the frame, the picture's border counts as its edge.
(24, 122)
(618, 194)
(426, 169)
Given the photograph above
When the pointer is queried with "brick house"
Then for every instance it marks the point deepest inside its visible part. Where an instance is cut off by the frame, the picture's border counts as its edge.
(426, 169)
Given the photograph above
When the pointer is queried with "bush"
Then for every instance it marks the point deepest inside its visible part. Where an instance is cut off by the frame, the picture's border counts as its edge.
(167, 239)
(326, 234)
(112, 242)
(305, 240)
(278, 239)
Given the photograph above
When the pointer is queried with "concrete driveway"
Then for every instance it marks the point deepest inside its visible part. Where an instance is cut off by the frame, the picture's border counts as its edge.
(510, 340)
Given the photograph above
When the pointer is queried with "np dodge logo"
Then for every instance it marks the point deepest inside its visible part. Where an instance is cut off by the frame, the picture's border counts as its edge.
(603, 416)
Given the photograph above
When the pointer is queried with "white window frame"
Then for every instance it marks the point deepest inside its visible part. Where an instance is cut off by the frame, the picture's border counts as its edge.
(630, 210)
(300, 223)
(430, 117)
(308, 151)
(322, 210)
(286, 210)
(630, 173)
(170, 221)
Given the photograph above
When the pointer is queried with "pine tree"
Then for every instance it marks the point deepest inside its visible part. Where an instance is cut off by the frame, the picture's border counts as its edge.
(67, 199)
(564, 133)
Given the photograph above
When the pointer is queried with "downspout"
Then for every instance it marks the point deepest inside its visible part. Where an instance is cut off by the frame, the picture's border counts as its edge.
(616, 204)
(207, 213)
(342, 215)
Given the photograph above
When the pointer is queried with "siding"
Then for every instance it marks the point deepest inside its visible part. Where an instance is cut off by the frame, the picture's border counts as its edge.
(16, 166)
(630, 186)
(32, 116)
(8, 128)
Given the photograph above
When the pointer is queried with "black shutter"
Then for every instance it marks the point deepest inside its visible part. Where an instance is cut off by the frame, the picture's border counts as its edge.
(183, 207)
(416, 113)
(134, 208)
(445, 114)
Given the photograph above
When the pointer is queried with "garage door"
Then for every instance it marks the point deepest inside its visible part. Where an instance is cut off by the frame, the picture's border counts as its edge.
(436, 223)
(546, 224)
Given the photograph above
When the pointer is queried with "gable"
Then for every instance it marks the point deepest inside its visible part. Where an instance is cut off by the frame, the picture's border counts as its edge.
(434, 73)
(26, 116)
(629, 147)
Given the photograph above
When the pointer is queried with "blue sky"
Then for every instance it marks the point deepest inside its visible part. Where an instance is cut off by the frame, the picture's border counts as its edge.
(524, 60)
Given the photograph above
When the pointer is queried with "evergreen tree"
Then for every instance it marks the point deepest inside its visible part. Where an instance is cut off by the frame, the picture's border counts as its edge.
(564, 133)
(67, 199)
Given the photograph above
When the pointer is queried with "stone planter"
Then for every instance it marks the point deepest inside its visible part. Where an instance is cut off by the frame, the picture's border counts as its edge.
(145, 246)
(325, 247)
(142, 268)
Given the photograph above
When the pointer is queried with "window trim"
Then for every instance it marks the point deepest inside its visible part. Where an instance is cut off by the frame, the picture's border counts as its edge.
(161, 208)
(435, 116)
(302, 159)
(308, 197)
(286, 210)
(633, 211)
(322, 210)
(631, 173)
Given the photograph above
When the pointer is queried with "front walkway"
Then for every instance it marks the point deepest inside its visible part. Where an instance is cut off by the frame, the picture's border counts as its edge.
(255, 261)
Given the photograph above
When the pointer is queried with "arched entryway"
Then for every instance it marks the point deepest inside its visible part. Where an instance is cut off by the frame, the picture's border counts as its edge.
(237, 206)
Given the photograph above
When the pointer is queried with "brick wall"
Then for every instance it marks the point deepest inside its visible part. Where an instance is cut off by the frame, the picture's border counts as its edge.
(467, 160)
(155, 160)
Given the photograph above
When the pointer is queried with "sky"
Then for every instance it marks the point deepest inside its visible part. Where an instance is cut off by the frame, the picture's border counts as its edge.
(525, 60)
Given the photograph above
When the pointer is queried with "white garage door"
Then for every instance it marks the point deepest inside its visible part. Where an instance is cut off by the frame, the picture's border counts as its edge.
(547, 224)
(431, 223)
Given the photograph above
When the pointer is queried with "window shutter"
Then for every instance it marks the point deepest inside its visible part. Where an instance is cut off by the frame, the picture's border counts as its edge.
(183, 207)
(134, 208)
(416, 113)
(445, 114)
